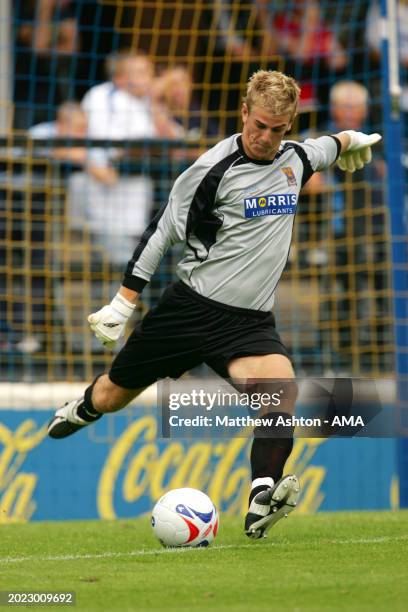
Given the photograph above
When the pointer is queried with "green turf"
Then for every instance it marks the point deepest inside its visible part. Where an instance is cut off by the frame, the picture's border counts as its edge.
(348, 561)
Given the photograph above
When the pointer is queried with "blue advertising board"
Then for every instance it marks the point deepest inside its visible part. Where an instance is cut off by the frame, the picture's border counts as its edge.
(120, 466)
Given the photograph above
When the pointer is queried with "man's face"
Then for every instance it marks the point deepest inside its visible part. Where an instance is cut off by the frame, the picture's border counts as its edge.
(349, 114)
(263, 131)
(178, 89)
(135, 75)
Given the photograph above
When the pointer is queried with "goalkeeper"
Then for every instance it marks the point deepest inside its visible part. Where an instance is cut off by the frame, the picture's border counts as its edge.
(233, 210)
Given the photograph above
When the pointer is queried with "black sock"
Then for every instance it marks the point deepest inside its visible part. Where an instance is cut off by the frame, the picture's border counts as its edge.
(269, 454)
(268, 457)
(86, 410)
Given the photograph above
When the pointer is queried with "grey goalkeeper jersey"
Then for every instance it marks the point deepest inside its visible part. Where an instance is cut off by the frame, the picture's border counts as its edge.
(235, 217)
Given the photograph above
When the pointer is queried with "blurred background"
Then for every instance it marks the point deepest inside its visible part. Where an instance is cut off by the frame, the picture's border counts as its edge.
(104, 102)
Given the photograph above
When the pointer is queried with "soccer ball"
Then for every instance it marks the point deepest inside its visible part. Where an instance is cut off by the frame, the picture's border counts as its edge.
(185, 517)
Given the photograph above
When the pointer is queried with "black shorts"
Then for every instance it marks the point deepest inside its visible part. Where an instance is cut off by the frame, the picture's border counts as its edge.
(185, 330)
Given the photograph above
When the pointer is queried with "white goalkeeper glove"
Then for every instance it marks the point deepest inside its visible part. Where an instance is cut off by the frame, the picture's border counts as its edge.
(109, 323)
(359, 151)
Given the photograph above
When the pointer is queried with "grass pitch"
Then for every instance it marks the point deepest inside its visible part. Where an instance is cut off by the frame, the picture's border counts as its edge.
(348, 561)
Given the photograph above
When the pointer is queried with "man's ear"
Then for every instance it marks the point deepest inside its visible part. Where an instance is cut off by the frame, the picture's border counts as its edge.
(244, 112)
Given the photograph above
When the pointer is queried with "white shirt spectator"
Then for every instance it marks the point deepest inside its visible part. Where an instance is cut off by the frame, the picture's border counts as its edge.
(116, 114)
(119, 214)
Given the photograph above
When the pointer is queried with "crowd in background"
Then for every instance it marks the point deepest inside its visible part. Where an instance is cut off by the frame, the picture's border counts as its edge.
(74, 77)
(61, 48)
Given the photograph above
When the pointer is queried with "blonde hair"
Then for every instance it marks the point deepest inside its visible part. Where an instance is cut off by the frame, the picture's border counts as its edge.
(273, 91)
(116, 61)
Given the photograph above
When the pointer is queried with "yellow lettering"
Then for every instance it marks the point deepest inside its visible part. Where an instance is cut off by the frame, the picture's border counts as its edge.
(115, 461)
(394, 493)
(16, 504)
(170, 459)
(194, 471)
(311, 477)
(238, 484)
(311, 481)
(223, 470)
(139, 473)
(6, 457)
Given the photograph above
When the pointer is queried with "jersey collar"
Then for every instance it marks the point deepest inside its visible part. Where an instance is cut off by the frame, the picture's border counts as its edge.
(259, 162)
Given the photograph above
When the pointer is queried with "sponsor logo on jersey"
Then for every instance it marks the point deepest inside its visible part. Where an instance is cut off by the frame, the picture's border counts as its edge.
(290, 175)
(276, 204)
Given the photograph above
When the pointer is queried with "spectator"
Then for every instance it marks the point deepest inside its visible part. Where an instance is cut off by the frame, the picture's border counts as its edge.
(46, 44)
(356, 250)
(55, 27)
(349, 105)
(293, 35)
(71, 121)
(123, 107)
(310, 47)
(174, 91)
(235, 25)
(349, 102)
(231, 49)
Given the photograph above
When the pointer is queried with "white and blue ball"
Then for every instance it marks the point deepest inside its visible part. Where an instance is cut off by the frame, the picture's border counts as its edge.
(185, 517)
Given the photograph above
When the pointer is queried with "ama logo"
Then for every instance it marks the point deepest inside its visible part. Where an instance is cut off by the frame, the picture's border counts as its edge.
(276, 204)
